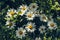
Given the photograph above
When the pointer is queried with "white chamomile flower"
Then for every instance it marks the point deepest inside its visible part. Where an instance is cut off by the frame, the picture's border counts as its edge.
(43, 18)
(52, 25)
(33, 7)
(30, 27)
(30, 15)
(23, 7)
(11, 13)
(10, 24)
(42, 29)
(20, 33)
(37, 38)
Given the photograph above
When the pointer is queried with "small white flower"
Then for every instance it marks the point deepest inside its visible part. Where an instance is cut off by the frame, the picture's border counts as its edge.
(11, 13)
(23, 7)
(52, 25)
(42, 29)
(33, 7)
(43, 18)
(10, 24)
(37, 38)
(30, 27)
(30, 15)
(20, 33)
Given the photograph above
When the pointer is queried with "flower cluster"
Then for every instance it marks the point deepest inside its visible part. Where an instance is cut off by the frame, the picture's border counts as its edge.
(34, 22)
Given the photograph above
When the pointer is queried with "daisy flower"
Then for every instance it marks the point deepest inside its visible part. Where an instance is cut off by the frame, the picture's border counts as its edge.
(23, 7)
(37, 38)
(52, 25)
(42, 29)
(30, 15)
(43, 18)
(10, 24)
(33, 7)
(30, 27)
(20, 33)
(11, 13)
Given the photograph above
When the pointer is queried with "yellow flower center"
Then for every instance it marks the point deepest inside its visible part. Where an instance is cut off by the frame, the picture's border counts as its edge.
(10, 24)
(33, 6)
(29, 15)
(23, 8)
(44, 18)
(20, 32)
(42, 29)
(52, 24)
(11, 12)
(30, 27)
